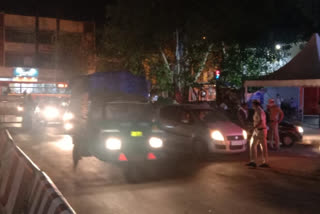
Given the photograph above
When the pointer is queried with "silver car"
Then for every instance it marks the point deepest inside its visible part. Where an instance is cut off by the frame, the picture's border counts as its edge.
(201, 130)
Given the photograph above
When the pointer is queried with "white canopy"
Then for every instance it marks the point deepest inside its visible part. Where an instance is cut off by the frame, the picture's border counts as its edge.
(302, 71)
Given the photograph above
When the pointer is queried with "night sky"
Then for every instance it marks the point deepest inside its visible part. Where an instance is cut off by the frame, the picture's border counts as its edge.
(91, 10)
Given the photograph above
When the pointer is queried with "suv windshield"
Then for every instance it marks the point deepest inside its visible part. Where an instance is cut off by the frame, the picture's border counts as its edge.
(210, 116)
(129, 112)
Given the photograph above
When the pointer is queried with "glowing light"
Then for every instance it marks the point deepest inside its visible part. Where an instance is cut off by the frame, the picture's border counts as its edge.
(20, 108)
(155, 142)
(151, 156)
(113, 143)
(122, 157)
(65, 143)
(300, 129)
(68, 126)
(68, 116)
(51, 112)
(216, 135)
(278, 47)
(245, 134)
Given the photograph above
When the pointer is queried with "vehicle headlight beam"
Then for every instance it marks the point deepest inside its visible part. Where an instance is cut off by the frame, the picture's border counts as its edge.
(113, 143)
(217, 135)
(155, 142)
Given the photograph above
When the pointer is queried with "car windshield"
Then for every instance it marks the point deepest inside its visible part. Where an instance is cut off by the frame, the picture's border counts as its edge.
(129, 112)
(211, 116)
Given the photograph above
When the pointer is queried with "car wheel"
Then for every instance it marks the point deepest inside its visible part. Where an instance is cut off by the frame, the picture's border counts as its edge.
(200, 150)
(287, 140)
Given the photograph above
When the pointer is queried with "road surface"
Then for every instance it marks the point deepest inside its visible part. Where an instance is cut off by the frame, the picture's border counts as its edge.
(223, 185)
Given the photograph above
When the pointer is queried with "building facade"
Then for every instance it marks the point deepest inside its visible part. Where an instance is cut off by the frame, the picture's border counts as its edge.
(29, 42)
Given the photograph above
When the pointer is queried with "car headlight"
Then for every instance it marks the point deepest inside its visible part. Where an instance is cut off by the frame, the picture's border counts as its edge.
(300, 129)
(20, 108)
(155, 142)
(68, 126)
(68, 116)
(113, 143)
(51, 112)
(245, 134)
(216, 135)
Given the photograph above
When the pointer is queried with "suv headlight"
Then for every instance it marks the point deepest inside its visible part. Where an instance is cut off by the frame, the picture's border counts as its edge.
(216, 135)
(155, 142)
(113, 143)
(245, 134)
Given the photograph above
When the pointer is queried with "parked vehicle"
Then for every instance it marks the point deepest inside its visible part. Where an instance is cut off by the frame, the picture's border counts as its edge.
(201, 129)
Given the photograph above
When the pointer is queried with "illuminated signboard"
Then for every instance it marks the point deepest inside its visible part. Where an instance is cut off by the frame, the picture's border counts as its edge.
(25, 72)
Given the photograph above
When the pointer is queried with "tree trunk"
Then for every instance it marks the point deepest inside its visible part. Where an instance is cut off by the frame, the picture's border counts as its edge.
(203, 63)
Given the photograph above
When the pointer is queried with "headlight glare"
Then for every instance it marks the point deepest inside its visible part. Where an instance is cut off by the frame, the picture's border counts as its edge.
(68, 126)
(300, 129)
(51, 112)
(155, 142)
(245, 134)
(216, 135)
(20, 108)
(113, 143)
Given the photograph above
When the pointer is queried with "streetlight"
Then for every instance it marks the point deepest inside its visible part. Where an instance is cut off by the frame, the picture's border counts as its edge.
(278, 47)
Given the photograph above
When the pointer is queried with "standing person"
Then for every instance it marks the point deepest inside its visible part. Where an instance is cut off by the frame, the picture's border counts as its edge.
(278, 100)
(259, 136)
(275, 117)
(28, 112)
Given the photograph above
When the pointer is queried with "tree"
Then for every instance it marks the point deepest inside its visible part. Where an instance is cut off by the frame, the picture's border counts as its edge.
(176, 40)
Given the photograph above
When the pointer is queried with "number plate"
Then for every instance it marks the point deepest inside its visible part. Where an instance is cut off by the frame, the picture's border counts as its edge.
(136, 134)
(236, 143)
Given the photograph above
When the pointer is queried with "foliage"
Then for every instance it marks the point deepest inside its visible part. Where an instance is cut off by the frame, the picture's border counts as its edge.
(179, 39)
(240, 63)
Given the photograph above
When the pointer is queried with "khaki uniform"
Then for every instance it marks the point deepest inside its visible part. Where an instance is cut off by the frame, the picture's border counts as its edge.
(259, 136)
(276, 116)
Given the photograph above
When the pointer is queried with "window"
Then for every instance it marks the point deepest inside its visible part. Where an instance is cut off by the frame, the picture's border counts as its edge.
(19, 35)
(45, 61)
(46, 37)
(14, 60)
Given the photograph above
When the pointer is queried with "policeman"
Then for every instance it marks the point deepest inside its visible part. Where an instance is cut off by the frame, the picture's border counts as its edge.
(259, 136)
(275, 117)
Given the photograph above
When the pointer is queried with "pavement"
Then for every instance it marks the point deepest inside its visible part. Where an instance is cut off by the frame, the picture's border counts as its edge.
(223, 185)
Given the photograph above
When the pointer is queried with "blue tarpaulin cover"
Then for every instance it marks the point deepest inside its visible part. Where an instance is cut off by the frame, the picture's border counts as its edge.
(118, 82)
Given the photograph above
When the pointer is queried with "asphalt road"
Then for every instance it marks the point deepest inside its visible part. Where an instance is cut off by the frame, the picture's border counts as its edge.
(223, 185)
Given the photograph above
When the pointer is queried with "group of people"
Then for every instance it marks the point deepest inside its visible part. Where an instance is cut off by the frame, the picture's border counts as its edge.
(256, 126)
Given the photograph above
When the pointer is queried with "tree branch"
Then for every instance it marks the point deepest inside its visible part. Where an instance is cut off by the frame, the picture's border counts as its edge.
(203, 63)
